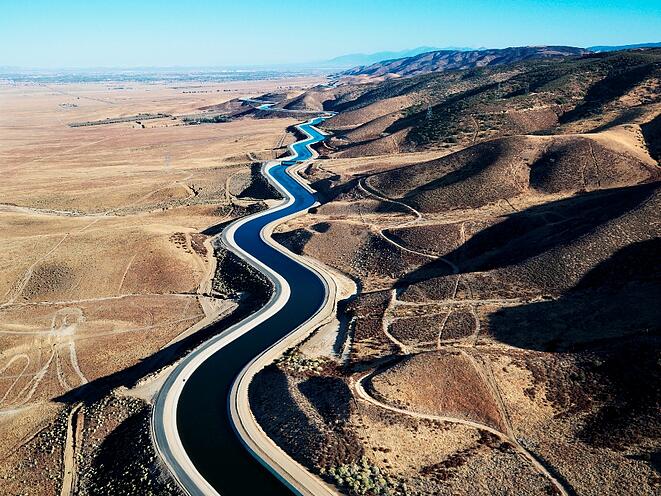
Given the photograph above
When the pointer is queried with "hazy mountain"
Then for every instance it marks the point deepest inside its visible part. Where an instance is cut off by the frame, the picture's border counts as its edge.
(454, 59)
(354, 59)
(613, 48)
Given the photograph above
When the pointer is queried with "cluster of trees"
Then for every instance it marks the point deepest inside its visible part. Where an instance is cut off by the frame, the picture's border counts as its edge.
(215, 119)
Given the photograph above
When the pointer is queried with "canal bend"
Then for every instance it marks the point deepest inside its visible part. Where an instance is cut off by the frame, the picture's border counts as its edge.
(202, 417)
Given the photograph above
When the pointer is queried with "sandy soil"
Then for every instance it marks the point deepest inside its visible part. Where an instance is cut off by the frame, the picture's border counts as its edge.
(104, 264)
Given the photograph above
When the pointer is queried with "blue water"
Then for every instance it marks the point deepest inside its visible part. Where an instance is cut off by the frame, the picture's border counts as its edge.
(202, 413)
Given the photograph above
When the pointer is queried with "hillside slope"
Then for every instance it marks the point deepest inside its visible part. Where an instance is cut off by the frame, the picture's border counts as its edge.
(505, 168)
(454, 109)
(444, 60)
(501, 227)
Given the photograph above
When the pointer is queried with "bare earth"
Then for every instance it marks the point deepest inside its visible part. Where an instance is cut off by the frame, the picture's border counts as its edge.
(103, 264)
(504, 334)
(494, 231)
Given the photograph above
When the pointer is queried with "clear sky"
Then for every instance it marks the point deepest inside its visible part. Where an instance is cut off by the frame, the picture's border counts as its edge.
(113, 33)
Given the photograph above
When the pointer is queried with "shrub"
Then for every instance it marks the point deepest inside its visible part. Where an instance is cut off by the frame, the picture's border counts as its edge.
(363, 478)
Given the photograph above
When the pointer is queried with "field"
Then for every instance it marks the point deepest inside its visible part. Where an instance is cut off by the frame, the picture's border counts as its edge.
(105, 273)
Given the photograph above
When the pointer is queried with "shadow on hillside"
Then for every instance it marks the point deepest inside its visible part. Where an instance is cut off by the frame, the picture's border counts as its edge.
(608, 89)
(611, 319)
(327, 190)
(237, 212)
(129, 377)
(117, 464)
(316, 443)
(652, 134)
(536, 230)
(636, 262)
(630, 416)
(287, 424)
(259, 187)
(614, 299)
(625, 117)
(485, 155)
(294, 240)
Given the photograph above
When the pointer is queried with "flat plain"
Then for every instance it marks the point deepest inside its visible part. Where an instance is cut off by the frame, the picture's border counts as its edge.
(103, 264)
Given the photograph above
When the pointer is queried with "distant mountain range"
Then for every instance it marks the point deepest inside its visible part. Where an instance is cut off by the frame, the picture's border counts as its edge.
(355, 59)
(454, 59)
(404, 62)
(613, 48)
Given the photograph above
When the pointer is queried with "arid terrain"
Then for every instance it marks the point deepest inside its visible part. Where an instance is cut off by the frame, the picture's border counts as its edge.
(106, 272)
(500, 227)
(493, 230)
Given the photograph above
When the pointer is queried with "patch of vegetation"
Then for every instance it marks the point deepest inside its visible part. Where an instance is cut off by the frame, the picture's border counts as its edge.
(296, 361)
(215, 119)
(364, 478)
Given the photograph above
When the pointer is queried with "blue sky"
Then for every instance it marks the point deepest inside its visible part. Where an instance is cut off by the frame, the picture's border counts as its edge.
(75, 33)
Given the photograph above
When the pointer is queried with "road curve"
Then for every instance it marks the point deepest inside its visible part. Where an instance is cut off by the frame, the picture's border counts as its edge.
(203, 404)
(362, 393)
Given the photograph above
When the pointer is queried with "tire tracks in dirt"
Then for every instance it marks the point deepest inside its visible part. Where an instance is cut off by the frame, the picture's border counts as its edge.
(480, 364)
(72, 446)
(530, 458)
(364, 186)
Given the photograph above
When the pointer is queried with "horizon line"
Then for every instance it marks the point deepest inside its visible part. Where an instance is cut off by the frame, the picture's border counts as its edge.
(283, 65)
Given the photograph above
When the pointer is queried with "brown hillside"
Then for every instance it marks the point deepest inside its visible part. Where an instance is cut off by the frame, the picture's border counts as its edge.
(444, 60)
(505, 168)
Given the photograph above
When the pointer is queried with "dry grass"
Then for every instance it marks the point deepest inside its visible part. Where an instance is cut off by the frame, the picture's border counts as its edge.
(455, 389)
(102, 258)
(548, 281)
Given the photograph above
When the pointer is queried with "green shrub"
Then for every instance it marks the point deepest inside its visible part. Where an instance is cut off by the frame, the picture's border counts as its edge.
(363, 478)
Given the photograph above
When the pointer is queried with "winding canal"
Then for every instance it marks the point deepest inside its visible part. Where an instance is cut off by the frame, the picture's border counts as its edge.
(203, 423)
